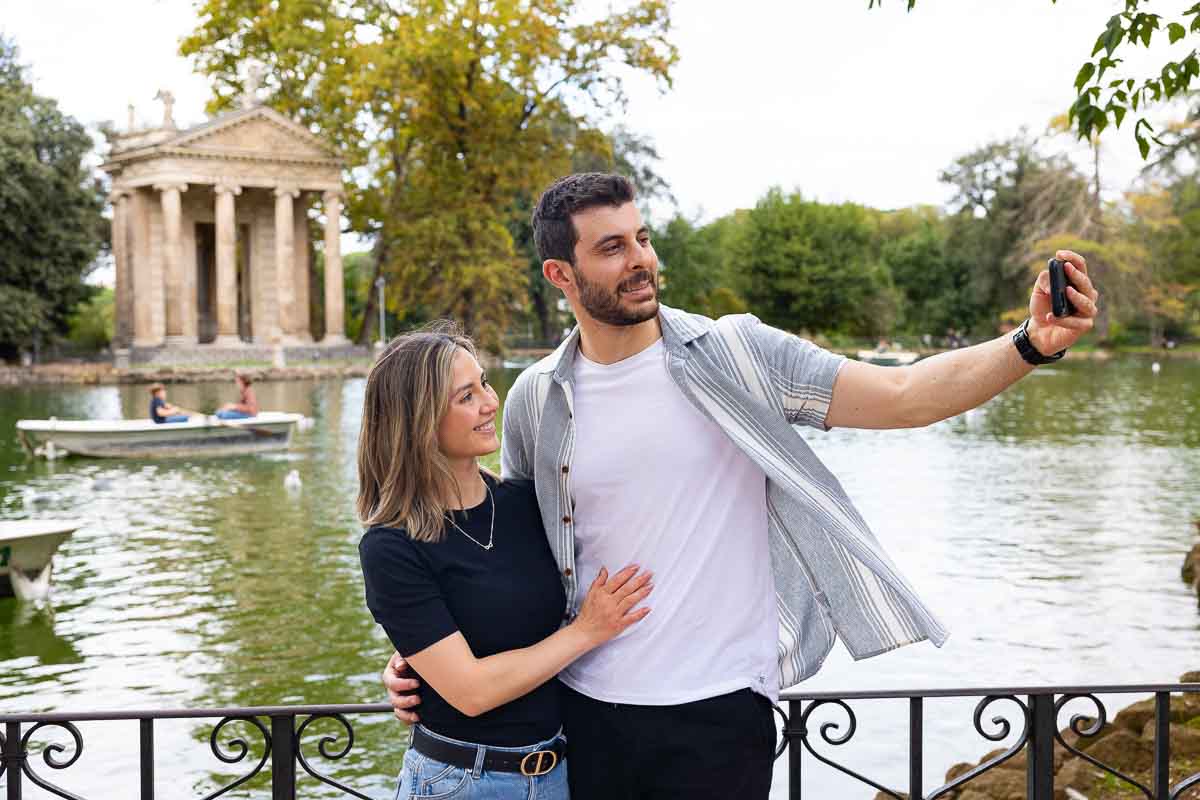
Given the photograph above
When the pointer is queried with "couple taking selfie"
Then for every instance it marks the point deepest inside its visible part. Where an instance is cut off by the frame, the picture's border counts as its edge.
(615, 614)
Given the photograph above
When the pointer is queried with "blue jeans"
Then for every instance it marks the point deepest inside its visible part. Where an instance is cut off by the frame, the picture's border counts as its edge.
(232, 415)
(176, 418)
(422, 777)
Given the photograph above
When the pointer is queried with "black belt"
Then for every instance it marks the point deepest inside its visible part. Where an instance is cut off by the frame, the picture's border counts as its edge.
(539, 762)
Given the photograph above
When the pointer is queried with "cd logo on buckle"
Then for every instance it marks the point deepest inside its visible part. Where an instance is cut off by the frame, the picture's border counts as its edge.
(540, 765)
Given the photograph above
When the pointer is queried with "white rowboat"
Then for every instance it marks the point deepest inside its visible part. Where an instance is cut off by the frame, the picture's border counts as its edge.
(26, 548)
(888, 358)
(137, 438)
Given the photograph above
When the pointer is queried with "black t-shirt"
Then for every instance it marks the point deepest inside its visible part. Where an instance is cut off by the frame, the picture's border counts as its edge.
(155, 404)
(500, 599)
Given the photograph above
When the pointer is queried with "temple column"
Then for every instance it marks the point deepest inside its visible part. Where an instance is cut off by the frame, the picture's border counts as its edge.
(148, 291)
(173, 279)
(122, 286)
(335, 299)
(302, 328)
(285, 296)
(227, 293)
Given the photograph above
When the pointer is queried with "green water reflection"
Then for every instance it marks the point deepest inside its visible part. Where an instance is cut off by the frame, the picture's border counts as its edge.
(204, 582)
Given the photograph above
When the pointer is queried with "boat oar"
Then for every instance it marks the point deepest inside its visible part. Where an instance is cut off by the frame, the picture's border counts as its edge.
(226, 423)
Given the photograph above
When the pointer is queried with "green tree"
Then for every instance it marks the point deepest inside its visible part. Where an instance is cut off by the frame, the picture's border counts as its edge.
(1166, 226)
(92, 323)
(697, 272)
(809, 266)
(51, 225)
(358, 272)
(1105, 95)
(448, 112)
(933, 281)
(1008, 198)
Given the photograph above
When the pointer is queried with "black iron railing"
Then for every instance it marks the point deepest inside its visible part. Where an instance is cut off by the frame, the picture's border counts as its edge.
(1036, 710)
(280, 732)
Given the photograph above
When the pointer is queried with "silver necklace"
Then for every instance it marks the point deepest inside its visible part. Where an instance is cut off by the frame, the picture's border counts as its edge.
(491, 527)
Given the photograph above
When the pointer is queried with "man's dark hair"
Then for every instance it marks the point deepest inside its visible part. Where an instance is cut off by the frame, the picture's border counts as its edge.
(553, 231)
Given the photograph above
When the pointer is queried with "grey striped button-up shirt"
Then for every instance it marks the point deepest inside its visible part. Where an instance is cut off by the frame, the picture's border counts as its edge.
(832, 577)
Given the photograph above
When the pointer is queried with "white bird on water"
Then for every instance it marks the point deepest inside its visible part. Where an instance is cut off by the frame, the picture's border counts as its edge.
(292, 482)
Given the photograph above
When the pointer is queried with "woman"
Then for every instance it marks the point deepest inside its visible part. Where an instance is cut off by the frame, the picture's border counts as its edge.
(460, 576)
(247, 404)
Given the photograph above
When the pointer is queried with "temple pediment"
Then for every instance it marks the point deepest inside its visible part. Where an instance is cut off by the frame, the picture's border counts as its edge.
(255, 132)
(211, 229)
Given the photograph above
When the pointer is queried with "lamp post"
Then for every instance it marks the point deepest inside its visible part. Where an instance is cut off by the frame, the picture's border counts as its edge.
(379, 284)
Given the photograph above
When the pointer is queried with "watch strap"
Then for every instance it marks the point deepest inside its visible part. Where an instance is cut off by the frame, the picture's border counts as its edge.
(1029, 353)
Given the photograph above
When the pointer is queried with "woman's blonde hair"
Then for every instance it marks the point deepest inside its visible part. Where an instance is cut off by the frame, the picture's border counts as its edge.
(403, 478)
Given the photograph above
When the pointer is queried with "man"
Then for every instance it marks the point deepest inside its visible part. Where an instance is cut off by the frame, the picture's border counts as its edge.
(160, 410)
(665, 439)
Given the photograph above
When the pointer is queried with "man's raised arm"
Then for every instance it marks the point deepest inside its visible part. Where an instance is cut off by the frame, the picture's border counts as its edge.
(933, 389)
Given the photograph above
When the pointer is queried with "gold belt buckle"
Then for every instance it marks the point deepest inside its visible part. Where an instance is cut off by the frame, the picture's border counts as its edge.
(539, 764)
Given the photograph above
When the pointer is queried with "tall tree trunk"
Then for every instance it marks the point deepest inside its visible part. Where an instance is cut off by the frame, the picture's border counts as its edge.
(541, 310)
(1102, 316)
(383, 243)
(371, 311)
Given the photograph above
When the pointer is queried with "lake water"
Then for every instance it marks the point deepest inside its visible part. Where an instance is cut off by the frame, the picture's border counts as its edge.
(1047, 528)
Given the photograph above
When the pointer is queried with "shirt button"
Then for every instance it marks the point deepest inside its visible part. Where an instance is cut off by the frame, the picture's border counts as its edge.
(566, 520)
(567, 572)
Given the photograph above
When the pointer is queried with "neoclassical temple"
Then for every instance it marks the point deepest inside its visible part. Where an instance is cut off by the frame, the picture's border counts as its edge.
(211, 232)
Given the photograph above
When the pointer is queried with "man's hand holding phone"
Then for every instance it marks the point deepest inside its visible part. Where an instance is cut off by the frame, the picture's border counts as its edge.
(1063, 305)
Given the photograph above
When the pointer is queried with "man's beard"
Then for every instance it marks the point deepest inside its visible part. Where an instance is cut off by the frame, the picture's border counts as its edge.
(605, 306)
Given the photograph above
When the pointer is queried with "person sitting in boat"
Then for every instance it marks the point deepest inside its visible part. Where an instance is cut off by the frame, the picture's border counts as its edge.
(247, 404)
(160, 409)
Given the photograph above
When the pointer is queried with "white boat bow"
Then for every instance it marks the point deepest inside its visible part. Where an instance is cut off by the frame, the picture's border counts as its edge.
(888, 358)
(26, 555)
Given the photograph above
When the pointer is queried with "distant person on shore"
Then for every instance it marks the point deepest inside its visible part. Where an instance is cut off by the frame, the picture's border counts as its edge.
(459, 574)
(162, 411)
(247, 404)
(670, 440)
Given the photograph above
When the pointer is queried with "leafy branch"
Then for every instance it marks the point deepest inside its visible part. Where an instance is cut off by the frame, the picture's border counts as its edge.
(1100, 102)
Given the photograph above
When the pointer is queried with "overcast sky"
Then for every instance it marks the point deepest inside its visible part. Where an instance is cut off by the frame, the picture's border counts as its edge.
(823, 96)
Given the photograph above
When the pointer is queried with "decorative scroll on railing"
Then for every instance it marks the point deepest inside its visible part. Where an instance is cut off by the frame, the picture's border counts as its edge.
(274, 738)
(1033, 712)
(252, 739)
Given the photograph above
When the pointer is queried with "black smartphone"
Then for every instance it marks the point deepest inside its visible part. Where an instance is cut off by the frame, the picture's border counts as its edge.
(1060, 304)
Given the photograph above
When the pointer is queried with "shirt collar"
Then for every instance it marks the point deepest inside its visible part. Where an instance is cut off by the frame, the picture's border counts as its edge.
(679, 329)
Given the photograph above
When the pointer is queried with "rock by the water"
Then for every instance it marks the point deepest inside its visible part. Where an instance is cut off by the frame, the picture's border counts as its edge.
(1126, 743)
(1185, 740)
(1190, 561)
(998, 784)
(1077, 775)
(1134, 718)
(1125, 751)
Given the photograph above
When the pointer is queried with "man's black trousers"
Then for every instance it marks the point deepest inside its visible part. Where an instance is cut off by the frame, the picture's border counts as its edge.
(721, 747)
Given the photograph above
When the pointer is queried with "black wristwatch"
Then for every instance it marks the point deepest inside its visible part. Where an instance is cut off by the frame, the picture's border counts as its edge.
(1030, 353)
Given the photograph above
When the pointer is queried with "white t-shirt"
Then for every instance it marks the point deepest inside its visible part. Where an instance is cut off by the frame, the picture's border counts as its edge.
(657, 483)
